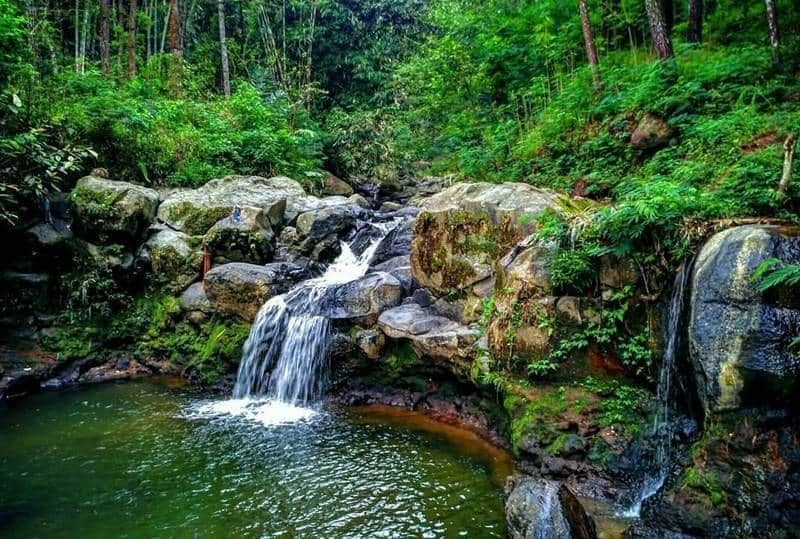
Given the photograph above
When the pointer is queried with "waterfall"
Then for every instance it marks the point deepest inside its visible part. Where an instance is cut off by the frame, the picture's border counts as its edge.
(285, 356)
(661, 431)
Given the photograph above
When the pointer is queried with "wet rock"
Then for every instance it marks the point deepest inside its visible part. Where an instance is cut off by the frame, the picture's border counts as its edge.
(652, 133)
(533, 509)
(617, 274)
(462, 232)
(390, 206)
(431, 335)
(195, 211)
(396, 243)
(173, 256)
(239, 289)
(359, 200)
(195, 303)
(315, 225)
(331, 185)
(244, 236)
(581, 525)
(740, 339)
(107, 211)
(371, 342)
(363, 300)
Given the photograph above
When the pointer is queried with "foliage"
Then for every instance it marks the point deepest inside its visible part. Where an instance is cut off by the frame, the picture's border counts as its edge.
(772, 273)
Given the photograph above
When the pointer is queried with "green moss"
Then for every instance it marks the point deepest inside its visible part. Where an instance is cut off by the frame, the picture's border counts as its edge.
(196, 219)
(706, 483)
(95, 205)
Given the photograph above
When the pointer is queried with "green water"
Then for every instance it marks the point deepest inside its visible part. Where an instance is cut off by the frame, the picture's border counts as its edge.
(138, 460)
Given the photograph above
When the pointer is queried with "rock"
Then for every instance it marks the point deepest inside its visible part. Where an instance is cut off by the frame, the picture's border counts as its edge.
(399, 268)
(107, 210)
(739, 340)
(651, 133)
(196, 211)
(173, 256)
(462, 232)
(431, 335)
(581, 525)
(331, 185)
(423, 298)
(239, 289)
(244, 236)
(533, 509)
(390, 206)
(195, 303)
(22, 294)
(617, 274)
(371, 342)
(396, 243)
(359, 200)
(318, 224)
(363, 300)
(46, 236)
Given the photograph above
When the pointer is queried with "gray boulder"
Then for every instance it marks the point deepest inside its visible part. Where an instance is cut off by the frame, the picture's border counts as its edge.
(533, 509)
(318, 224)
(239, 289)
(363, 300)
(652, 133)
(431, 335)
(196, 211)
(739, 339)
(195, 304)
(244, 236)
(173, 256)
(107, 211)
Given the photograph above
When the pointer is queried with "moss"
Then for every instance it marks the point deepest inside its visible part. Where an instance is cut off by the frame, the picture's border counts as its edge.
(196, 219)
(706, 483)
(95, 205)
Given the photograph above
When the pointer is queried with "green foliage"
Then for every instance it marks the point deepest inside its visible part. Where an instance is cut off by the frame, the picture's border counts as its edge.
(622, 405)
(772, 273)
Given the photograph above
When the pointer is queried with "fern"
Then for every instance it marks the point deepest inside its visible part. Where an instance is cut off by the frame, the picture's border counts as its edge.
(772, 273)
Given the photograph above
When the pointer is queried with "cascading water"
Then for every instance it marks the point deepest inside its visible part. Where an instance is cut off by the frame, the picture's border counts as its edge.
(661, 432)
(285, 356)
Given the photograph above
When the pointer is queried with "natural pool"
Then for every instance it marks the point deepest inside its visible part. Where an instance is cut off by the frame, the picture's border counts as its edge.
(148, 459)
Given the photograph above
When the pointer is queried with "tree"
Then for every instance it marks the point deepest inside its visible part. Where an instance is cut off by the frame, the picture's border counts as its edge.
(175, 44)
(658, 29)
(105, 37)
(588, 40)
(695, 31)
(774, 33)
(132, 39)
(223, 50)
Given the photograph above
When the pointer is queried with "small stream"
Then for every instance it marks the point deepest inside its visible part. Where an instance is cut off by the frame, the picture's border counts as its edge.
(146, 459)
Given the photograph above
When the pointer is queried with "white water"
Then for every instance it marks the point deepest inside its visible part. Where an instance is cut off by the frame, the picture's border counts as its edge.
(284, 362)
(661, 427)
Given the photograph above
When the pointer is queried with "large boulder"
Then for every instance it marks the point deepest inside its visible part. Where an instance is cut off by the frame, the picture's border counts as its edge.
(244, 236)
(331, 185)
(173, 256)
(431, 335)
(361, 301)
(196, 211)
(651, 133)
(739, 339)
(318, 224)
(462, 232)
(239, 289)
(107, 211)
(533, 509)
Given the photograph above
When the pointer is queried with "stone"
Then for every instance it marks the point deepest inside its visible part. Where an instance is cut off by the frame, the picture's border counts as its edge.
(244, 236)
(390, 206)
(194, 298)
(359, 200)
(533, 509)
(396, 243)
(399, 268)
(331, 185)
(431, 335)
(463, 231)
(23, 293)
(361, 301)
(739, 339)
(107, 211)
(652, 133)
(617, 274)
(371, 342)
(174, 257)
(195, 211)
(238, 289)
(318, 224)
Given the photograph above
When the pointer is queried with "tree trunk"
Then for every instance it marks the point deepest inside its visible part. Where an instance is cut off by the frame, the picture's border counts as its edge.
(77, 35)
(175, 48)
(223, 49)
(788, 156)
(84, 36)
(695, 31)
(658, 29)
(774, 33)
(105, 38)
(588, 40)
(132, 39)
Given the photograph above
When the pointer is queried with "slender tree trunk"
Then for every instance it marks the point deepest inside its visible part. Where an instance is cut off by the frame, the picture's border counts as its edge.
(164, 30)
(132, 39)
(788, 156)
(119, 33)
(77, 36)
(658, 29)
(175, 48)
(774, 33)
(105, 38)
(223, 49)
(591, 49)
(84, 36)
(695, 31)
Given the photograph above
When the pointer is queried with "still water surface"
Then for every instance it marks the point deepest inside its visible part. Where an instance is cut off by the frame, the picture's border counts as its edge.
(148, 459)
